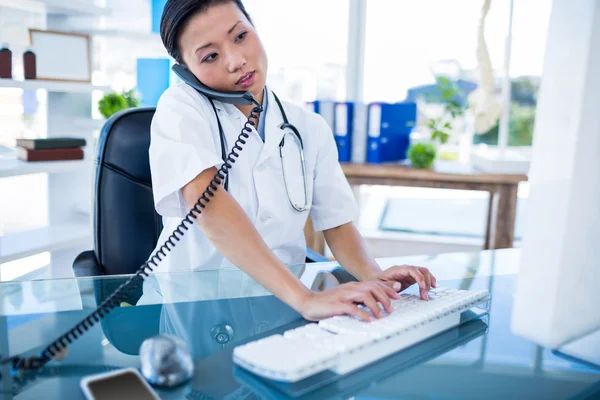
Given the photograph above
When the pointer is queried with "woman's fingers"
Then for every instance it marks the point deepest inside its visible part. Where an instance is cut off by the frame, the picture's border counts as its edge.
(426, 276)
(374, 308)
(382, 294)
(389, 291)
(366, 298)
(346, 298)
(369, 293)
(422, 277)
(428, 283)
(354, 310)
(393, 285)
(418, 276)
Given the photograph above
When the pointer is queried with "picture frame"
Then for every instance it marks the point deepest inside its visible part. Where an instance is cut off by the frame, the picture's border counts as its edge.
(73, 64)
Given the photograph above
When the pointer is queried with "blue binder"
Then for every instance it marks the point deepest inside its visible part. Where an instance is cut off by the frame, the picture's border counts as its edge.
(343, 128)
(389, 129)
(153, 78)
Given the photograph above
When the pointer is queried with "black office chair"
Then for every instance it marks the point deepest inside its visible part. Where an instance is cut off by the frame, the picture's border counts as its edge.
(125, 224)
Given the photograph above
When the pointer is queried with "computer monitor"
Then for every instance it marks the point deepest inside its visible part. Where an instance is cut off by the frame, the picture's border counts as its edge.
(557, 300)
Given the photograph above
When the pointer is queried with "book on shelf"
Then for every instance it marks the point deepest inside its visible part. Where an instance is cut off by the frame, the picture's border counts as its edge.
(75, 153)
(51, 143)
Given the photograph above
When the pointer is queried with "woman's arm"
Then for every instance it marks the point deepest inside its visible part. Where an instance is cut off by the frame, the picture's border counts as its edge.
(349, 249)
(230, 230)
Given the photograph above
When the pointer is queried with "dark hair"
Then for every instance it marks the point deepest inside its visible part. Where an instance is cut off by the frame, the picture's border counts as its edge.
(177, 14)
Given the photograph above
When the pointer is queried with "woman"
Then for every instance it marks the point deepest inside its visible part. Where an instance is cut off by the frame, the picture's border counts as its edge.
(253, 225)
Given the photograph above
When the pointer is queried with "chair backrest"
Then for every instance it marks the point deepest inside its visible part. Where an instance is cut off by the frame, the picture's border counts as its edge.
(126, 225)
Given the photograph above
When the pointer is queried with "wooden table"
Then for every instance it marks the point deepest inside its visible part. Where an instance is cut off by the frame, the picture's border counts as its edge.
(500, 227)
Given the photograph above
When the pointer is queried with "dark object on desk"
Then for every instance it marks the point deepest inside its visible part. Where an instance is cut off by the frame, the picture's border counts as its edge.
(50, 154)
(166, 361)
(51, 143)
(329, 279)
(29, 64)
(123, 383)
(5, 62)
(126, 225)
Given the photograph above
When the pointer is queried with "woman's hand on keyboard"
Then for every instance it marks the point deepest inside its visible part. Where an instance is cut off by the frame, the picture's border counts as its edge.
(400, 277)
(344, 300)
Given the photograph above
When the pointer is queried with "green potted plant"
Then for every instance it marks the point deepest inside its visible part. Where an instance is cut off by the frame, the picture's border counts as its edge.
(131, 98)
(421, 155)
(114, 102)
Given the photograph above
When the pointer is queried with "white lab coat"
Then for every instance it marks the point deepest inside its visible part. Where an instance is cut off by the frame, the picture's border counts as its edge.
(185, 141)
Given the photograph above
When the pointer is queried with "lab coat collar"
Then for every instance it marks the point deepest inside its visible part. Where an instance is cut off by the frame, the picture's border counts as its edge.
(273, 134)
(230, 110)
(274, 118)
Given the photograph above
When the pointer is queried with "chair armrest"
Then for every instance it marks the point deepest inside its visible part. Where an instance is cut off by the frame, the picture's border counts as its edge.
(313, 256)
(342, 275)
(86, 265)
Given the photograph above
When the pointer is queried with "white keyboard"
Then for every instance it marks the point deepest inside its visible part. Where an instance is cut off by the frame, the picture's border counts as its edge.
(343, 343)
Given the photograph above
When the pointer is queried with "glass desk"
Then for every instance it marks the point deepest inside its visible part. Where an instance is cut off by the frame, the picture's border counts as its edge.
(481, 359)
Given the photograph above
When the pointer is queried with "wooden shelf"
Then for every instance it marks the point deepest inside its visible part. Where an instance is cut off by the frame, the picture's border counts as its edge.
(123, 34)
(443, 171)
(52, 86)
(14, 167)
(24, 244)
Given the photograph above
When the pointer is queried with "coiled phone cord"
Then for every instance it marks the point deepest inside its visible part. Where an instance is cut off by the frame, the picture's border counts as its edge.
(59, 346)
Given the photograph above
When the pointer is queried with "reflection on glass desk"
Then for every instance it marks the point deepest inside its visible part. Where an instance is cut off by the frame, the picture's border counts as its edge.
(481, 359)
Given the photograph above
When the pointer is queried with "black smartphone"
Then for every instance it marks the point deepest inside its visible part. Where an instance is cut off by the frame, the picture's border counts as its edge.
(125, 383)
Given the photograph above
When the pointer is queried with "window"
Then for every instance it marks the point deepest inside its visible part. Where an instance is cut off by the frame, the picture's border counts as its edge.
(116, 52)
(530, 28)
(306, 43)
(408, 43)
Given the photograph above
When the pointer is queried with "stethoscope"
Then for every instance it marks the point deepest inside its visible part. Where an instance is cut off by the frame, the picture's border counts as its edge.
(286, 127)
